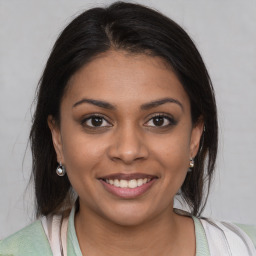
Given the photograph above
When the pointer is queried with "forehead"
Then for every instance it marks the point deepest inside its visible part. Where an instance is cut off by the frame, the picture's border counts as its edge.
(120, 77)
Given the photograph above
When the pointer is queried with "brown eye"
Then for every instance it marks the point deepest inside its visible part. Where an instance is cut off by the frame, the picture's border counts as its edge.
(161, 121)
(158, 121)
(95, 121)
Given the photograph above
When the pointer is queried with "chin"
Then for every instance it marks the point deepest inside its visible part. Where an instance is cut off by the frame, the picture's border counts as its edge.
(129, 215)
(128, 220)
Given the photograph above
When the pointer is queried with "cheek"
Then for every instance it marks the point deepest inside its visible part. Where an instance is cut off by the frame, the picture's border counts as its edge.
(81, 152)
(173, 154)
(82, 163)
(173, 150)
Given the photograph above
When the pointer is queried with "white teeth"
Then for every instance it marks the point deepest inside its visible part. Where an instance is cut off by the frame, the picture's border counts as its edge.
(123, 183)
(132, 184)
(116, 183)
(139, 182)
(128, 183)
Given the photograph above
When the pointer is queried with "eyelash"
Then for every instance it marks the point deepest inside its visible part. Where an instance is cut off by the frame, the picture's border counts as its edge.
(83, 122)
(171, 121)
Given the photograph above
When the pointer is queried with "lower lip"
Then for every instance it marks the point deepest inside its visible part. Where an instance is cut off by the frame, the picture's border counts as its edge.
(128, 193)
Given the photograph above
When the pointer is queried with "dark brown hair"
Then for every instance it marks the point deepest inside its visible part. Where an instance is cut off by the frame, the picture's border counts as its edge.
(134, 29)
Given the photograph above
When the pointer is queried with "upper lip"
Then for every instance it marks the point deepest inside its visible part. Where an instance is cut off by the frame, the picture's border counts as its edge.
(130, 176)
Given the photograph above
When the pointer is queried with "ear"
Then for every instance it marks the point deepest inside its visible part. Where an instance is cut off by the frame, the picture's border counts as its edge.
(56, 138)
(196, 134)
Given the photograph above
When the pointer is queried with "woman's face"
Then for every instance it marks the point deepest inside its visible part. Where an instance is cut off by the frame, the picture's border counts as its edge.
(126, 136)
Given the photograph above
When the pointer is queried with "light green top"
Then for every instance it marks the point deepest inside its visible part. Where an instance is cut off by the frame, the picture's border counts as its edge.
(29, 241)
(32, 240)
(74, 249)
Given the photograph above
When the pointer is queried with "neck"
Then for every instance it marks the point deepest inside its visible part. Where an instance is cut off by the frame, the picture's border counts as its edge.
(161, 235)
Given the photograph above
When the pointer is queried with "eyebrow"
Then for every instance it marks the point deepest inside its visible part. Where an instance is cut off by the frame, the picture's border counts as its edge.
(159, 102)
(146, 106)
(98, 103)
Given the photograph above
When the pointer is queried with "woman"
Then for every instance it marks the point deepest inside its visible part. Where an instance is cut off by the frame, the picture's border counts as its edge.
(125, 120)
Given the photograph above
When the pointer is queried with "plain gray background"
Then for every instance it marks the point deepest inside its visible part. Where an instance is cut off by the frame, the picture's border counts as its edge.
(225, 33)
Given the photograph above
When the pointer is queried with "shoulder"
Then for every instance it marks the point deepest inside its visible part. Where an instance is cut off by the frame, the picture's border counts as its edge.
(234, 239)
(29, 241)
(250, 230)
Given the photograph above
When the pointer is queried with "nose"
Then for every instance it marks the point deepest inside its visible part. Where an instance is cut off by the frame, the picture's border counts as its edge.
(128, 145)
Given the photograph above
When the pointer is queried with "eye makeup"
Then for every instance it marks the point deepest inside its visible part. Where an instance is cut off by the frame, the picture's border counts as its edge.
(96, 122)
(161, 120)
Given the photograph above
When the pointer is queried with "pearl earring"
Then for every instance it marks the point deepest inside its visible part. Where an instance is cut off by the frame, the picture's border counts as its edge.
(60, 170)
(191, 164)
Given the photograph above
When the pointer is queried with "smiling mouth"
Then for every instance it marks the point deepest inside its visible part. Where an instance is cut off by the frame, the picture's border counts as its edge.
(128, 185)
(133, 183)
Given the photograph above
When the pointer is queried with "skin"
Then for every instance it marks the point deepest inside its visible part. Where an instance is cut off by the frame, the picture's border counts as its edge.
(129, 140)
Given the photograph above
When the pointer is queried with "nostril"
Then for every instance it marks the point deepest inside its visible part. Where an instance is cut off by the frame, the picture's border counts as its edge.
(127, 145)
(127, 155)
